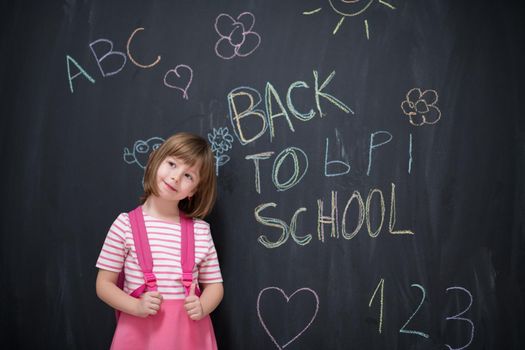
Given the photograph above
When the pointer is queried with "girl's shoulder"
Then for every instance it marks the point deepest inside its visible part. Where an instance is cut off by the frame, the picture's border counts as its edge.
(120, 229)
(122, 221)
(200, 224)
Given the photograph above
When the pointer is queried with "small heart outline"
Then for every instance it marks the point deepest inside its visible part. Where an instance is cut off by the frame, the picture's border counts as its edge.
(185, 89)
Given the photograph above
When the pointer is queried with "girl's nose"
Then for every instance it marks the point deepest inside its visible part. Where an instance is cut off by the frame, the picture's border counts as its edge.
(175, 177)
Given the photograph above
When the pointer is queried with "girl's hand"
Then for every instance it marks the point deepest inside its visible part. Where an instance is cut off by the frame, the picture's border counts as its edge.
(193, 306)
(148, 304)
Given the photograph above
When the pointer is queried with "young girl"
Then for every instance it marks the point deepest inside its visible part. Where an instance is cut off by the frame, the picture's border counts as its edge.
(179, 176)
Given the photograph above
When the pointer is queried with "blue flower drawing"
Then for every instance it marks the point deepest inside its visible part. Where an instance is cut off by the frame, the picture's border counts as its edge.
(221, 141)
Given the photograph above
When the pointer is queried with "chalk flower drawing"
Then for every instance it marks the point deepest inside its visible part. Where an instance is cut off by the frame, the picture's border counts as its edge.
(221, 141)
(420, 106)
(350, 8)
(236, 35)
(306, 291)
(139, 154)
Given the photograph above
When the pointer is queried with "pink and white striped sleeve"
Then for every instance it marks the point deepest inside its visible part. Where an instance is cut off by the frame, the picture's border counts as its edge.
(114, 250)
(209, 269)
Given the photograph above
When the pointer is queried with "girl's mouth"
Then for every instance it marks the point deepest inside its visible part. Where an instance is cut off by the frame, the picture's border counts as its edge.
(171, 188)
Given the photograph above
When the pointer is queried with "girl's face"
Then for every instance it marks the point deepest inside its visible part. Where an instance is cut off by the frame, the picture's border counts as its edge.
(176, 180)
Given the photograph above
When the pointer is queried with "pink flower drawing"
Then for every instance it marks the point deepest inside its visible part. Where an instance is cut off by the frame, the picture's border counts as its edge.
(236, 35)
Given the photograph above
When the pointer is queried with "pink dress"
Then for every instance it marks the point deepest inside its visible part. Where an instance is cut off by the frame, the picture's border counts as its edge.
(171, 328)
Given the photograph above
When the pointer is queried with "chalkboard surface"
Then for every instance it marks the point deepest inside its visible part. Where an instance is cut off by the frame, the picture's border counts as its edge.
(370, 161)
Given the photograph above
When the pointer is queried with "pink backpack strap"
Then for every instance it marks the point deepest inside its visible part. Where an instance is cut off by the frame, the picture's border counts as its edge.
(187, 253)
(140, 239)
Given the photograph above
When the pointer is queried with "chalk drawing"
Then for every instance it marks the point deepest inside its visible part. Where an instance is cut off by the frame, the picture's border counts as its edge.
(381, 285)
(332, 217)
(256, 158)
(297, 175)
(110, 52)
(350, 8)
(236, 116)
(367, 215)
(183, 88)
(239, 110)
(301, 290)
(374, 145)
(236, 35)
(457, 317)
(420, 107)
(139, 154)
(221, 141)
(286, 231)
(269, 92)
(131, 57)
(392, 218)
(334, 162)
(331, 220)
(361, 216)
(409, 331)
(410, 159)
(81, 71)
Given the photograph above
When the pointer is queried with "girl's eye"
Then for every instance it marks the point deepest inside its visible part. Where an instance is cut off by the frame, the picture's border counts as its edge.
(172, 164)
(189, 176)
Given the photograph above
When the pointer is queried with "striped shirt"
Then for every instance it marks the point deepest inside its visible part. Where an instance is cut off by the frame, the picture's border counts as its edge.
(164, 238)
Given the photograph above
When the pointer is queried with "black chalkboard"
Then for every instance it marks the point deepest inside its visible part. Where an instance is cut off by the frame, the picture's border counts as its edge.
(369, 154)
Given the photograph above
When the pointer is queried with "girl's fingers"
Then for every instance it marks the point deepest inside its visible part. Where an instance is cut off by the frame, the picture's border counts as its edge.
(192, 289)
(191, 299)
(155, 295)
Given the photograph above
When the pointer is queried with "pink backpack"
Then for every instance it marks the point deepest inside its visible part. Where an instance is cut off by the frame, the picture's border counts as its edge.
(140, 239)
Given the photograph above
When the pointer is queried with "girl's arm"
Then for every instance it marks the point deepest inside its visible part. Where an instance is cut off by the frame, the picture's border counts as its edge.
(107, 290)
(211, 296)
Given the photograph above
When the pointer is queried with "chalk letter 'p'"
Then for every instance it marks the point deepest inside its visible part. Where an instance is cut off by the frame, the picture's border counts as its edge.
(374, 145)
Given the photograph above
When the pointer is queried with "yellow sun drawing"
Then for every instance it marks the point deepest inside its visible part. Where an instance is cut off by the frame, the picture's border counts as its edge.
(350, 8)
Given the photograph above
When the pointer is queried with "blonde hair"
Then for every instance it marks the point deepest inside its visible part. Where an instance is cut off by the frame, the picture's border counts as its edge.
(192, 149)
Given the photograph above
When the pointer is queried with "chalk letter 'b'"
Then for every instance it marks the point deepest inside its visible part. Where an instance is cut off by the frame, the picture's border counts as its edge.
(334, 163)
(107, 55)
(80, 71)
(236, 116)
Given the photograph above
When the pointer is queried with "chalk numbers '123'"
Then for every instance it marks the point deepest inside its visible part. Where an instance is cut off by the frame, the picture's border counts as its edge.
(458, 317)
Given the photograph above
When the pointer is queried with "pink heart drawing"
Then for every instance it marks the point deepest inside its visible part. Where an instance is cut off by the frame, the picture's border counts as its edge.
(175, 71)
(308, 290)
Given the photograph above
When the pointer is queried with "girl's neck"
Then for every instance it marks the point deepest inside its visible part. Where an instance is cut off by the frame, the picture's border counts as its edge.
(162, 209)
